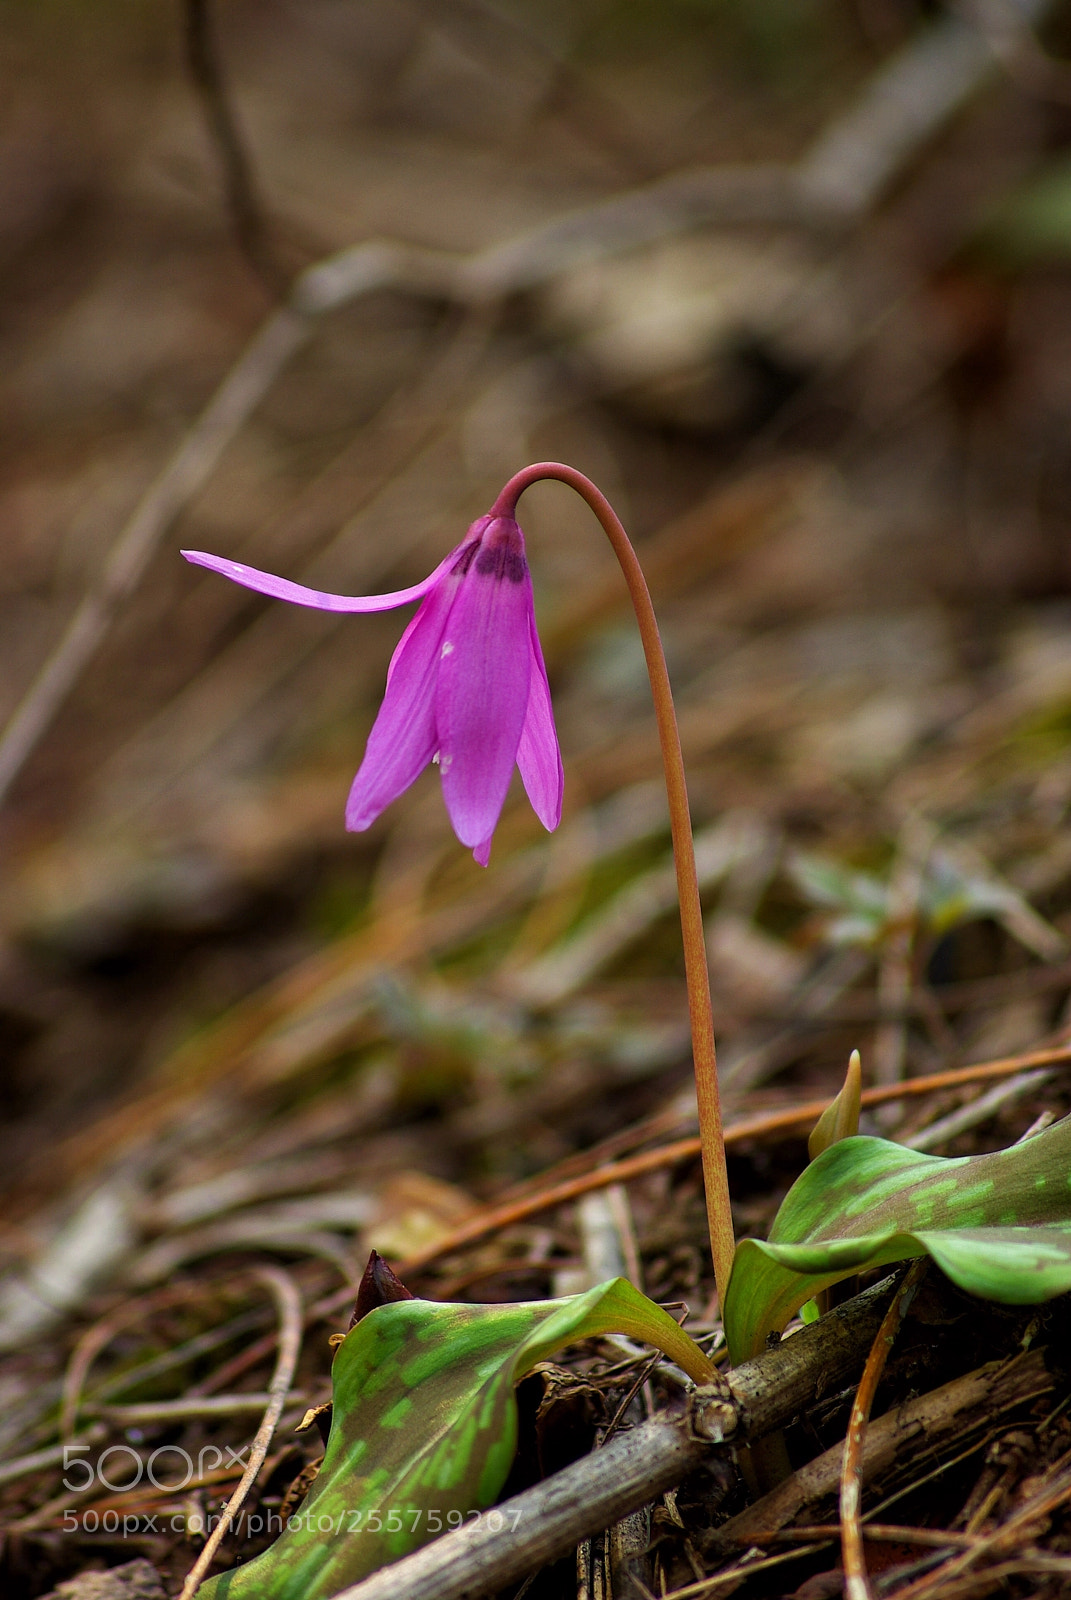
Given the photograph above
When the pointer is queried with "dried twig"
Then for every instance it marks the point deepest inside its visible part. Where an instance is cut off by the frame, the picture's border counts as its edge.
(99, 1335)
(856, 1582)
(216, 1405)
(1053, 1490)
(288, 1303)
(976, 1111)
(970, 1403)
(873, 1532)
(202, 55)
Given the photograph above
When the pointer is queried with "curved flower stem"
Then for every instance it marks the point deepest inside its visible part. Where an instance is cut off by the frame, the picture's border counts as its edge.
(716, 1182)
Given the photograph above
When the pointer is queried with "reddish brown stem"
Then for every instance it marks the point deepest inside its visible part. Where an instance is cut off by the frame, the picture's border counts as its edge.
(715, 1177)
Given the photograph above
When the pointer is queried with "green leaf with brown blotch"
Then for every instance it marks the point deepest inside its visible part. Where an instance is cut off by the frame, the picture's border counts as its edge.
(998, 1225)
(424, 1429)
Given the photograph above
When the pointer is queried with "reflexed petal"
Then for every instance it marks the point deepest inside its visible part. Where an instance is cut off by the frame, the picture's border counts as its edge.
(298, 595)
(482, 697)
(538, 755)
(404, 736)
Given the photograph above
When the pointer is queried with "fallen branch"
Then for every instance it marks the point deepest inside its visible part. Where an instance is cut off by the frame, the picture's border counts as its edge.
(250, 232)
(966, 1404)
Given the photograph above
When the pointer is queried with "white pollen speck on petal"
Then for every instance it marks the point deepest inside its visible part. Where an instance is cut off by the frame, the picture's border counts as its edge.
(447, 650)
(445, 763)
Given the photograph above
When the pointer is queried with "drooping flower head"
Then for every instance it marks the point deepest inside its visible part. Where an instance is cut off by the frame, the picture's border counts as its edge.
(466, 686)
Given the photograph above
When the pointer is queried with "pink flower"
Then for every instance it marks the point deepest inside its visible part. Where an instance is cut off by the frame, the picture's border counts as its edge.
(466, 686)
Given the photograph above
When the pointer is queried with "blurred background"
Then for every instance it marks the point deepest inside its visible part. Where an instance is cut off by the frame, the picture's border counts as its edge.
(790, 280)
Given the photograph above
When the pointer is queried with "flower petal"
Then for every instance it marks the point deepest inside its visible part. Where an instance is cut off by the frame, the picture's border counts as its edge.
(538, 754)
(457, 558)
(298, 595)
(482, 853)
(404, 736)
(482, 696)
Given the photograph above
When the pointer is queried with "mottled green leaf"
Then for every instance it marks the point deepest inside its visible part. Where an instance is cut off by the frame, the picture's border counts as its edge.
(999, 1225)
(424, 1429)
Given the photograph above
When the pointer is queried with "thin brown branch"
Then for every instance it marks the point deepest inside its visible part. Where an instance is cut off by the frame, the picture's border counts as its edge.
(189, 468)
(1053, 1490)
(856, 1581)
(873, 1533)
(51, 1515)
(663, 1123)
(99, 1335)
(243, 204)
(287, 1299)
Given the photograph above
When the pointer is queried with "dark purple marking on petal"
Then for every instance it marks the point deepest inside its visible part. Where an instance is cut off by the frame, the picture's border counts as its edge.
(466, 556)
(500, 563)
(501, 552)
